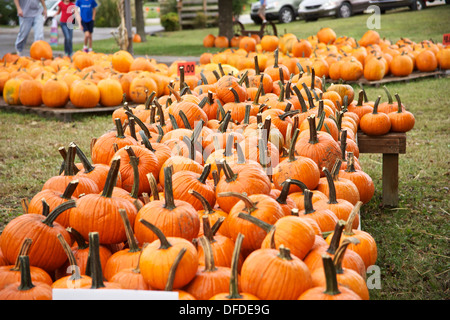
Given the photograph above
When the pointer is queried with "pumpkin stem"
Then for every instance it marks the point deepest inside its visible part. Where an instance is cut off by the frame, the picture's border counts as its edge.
(299, 184)
(132, 125)
(225, 122)
(153, 186)
(234, 288)
(131, 240)
(205, 173)
(168, 190)
(350, 162)
(340, 253)
(240, 154)
(207, 230)
(236, 95)
(285, 253)
(291, 155)
(229, 174)
(120, 134)
(390, 100)
(88, 167)
(69, 204)
(81, 242)
(349, 224)
(206, 205)
(399, 103)
(258, 222)
(313, 138)
(134, 161)
(284, 191)
(335, 169)
(95, 262)
(330, 276)
(25, 274)
(209, 256)
(375, 105)
(69, 163)
(250, 206)
(185, 120)
(173, 270)
(24, 251)
(111, 178)
(336, 238)
(165, 244)
(70, 256)
(142, 125)
(146, 142)
(307, 198)
(343, 140)
(258, 72)
(276, 58)
(331, 187)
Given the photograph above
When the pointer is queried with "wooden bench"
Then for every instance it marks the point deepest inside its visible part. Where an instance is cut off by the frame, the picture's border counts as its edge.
(390, 146)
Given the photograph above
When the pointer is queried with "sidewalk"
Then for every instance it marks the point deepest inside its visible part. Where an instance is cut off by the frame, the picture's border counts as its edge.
(8, 37)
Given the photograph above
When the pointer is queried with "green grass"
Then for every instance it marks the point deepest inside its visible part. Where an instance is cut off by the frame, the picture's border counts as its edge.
(412, 239)
(416, 25)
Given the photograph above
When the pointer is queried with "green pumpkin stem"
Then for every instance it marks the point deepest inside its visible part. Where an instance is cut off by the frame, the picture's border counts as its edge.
(120, 134)
(258, 222)
(173, 270)
(390, 100)
(331, 287)
(88, 167)
(94, 261)
(168, 190)
(25, 274)
(250, 206)
(331, 186)
(336, 238)
(340, 254)
(131, 240)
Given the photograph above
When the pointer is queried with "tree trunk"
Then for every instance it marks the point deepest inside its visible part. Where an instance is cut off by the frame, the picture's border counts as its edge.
(226, 18)
(140, 20)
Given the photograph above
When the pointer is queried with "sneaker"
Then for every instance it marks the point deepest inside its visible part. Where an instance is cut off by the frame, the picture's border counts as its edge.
(85, 49)
(90, 50)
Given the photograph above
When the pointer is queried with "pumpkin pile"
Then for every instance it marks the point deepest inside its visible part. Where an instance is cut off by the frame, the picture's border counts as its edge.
(336, 57)
(232, 184)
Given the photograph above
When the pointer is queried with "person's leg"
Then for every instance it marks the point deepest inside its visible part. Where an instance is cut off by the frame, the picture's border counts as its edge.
(65, 31)
(24, 30)
(91, 30)
(69, 42)
(38, 27)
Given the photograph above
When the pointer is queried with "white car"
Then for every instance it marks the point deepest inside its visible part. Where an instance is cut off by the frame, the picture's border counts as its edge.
(52, 9)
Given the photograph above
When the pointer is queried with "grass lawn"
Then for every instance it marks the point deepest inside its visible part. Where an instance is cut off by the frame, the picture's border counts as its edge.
(413, 239)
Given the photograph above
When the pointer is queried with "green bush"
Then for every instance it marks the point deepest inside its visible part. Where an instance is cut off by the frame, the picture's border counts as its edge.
(107, 14)
(170, 21)
(200, 20)
(8, 13)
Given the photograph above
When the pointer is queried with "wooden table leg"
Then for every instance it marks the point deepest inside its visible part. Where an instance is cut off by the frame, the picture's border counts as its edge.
(390, 179)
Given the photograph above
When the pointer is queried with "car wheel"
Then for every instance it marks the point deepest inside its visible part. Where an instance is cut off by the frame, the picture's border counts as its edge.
(286, 15)
(417, 5)
(345, 10)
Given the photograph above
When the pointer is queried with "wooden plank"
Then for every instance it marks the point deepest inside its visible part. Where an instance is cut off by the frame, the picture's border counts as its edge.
(64, 114)
(388, 143)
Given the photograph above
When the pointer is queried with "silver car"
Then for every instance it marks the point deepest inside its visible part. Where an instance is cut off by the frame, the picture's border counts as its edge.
(311, 10)
(284, 11)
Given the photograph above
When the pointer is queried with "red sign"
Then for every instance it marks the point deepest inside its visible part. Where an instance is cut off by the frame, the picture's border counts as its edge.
(446, 39)
(189, 68)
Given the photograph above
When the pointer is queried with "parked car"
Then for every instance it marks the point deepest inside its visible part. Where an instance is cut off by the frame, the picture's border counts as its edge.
(52, 9)
(393, 4)
(311, 10)
(284, 11)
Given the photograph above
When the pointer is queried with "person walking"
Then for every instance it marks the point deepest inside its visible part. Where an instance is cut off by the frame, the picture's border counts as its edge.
(262, 10)
(69, 15)
(87, 13)
(32, 14)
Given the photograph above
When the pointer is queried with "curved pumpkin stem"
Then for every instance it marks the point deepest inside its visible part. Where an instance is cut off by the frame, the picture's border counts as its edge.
(24, 251)
(267, 227)
(206, 205)
(173, 270)
(291, 155)
(399, 103)
(390, 100)
(331, 187)
(57, 211)
(70, 256)
(250, 206)
(336, 238)
(299, 184)
(284, 191)
(340, 253)
(355, 211)
(165, 244)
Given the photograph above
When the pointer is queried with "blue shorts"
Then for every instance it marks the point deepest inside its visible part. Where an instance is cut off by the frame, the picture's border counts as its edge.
(88, 26)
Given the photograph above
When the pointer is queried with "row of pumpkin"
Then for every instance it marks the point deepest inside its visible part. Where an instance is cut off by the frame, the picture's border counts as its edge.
(371, 57)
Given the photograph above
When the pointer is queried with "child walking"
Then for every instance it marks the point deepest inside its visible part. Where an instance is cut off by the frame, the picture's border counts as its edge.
(67, 9)
(87, 14)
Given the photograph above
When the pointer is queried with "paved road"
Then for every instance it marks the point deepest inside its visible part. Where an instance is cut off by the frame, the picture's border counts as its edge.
(8, 35)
